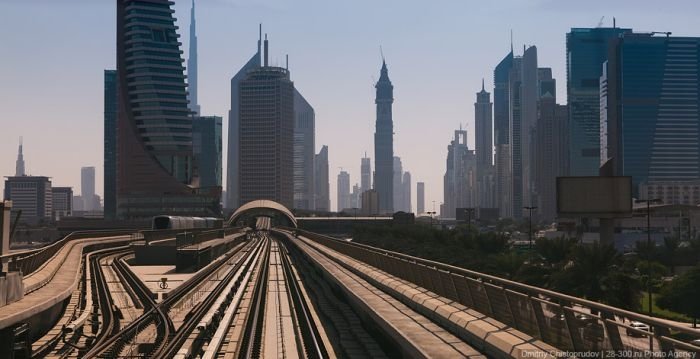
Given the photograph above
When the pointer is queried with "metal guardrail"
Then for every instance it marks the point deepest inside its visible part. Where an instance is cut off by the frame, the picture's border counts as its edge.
(30, 260)
(568, 323)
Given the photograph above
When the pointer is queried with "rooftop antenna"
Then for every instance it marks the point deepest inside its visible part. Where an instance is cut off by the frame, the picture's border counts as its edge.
(381, 52)
(286, 65)
(482, 84)
(613, 22)
(511, 40)
(259, 41)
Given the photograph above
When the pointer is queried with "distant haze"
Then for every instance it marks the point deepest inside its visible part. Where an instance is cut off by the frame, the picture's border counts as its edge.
(53, 53)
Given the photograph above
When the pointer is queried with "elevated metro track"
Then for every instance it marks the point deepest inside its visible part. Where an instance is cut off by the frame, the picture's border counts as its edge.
(283, 292)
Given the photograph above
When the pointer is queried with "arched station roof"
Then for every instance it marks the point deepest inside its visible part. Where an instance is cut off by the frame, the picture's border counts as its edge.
(262, 207)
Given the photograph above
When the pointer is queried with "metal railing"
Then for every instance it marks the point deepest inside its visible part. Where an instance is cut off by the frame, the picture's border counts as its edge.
(568, 323)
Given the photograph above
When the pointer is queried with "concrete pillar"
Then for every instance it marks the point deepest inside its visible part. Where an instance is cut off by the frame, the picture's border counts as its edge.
(5, 217)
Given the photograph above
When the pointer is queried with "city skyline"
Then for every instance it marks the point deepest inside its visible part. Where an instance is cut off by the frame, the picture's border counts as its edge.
(58, 151)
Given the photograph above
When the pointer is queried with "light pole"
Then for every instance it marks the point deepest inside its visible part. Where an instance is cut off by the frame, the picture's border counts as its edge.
(648, 202)
(529, 232)
(431, 213)
(468, 212)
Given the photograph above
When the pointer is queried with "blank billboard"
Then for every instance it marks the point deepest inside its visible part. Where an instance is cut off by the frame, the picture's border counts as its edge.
(598, 197)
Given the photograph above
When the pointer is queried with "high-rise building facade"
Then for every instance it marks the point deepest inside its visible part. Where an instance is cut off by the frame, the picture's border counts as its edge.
(501, 135)
(652, 91)
(304, 147)
(207, 147)
(192, 67)
(486, 176)
(528, 105)
(406, 196)
(110, 144)
(87, 189)
(266, 135)
(550, 145)
(586, 50)
(61, 202)
(384, 142)
(19, 164)
(322, 186)
(420, 197)
(32, 195)
(154, 129)
(515, 144)
(397, 198)
(233, 159)
(343, 191)
(366, 174)
(460, 176)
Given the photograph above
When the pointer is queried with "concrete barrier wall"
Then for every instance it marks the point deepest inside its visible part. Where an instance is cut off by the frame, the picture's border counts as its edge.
(552, 317)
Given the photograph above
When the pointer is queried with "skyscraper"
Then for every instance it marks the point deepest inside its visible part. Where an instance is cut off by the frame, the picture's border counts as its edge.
(154, 129)
(343, 191)
(19, 165)
(192, 67)
(501, 113)
(322, 186)
(304, 147)
(87, 188)
(110, 143)
(652, 120)
(550, 145)
(366, 171)
(528, 103)
(460, 176)
(233, 160)
(406, 188)
(586, 50)
(420, 197)
(515, 126)
(384, 142)
(397, 185)
(207, 146)
(484, 149)
(266, 137)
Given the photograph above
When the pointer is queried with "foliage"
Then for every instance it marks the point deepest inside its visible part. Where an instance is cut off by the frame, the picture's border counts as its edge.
(681, 295)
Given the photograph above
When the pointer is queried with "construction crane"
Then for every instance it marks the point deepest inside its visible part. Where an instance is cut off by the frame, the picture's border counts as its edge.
(600, 23)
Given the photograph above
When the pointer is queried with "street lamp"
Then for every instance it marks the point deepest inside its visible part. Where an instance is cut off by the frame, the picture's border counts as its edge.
(431, 213)
(468, 212)
(648, 202)
(529, 233)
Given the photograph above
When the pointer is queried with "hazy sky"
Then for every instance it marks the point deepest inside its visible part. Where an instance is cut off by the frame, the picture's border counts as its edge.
(53, 53)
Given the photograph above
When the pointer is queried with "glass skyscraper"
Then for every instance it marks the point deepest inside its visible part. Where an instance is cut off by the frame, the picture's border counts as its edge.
(154, 129)
(652, 120)
(110, 144)
(586, 50)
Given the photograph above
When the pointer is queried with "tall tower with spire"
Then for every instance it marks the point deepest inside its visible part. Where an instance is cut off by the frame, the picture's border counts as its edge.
(384, 142)
(192, 66)
(233, 160)
(483, 111)
(19, 166)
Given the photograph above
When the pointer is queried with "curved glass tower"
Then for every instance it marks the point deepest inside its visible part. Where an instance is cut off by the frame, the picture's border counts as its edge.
(154, 147)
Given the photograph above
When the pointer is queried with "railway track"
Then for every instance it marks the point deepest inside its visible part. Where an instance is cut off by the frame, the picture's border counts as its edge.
(156, 316)
(68, 336)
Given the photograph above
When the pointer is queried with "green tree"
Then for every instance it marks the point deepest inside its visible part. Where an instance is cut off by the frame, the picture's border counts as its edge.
(670, 251)
(594, 272)
(681, 295)
(554, 251)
